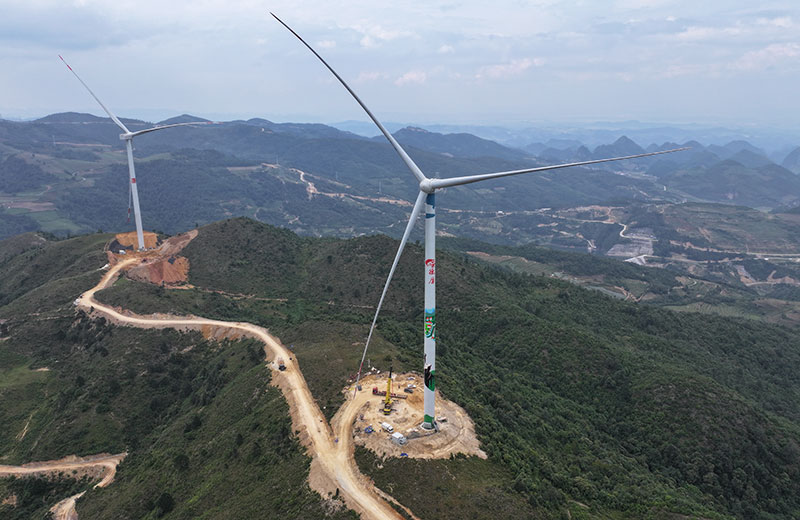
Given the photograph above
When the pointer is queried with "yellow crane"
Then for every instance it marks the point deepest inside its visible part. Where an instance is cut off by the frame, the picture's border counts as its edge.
(387, 405)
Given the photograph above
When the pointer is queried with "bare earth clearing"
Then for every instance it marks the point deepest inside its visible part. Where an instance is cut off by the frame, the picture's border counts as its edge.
(456, 431)
(164, 266)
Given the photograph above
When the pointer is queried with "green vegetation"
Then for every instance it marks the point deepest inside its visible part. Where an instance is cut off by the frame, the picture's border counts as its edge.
(612, 272)
(34, 496)
(448, 489)
(729, 181)
(629, 409)
(583, 403)
(42, 262)
(228, 452)
(11, 224)
(18, 175)
(200, 420)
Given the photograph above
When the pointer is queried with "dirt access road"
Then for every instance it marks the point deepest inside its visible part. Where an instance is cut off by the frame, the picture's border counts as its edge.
(105, 465)
(333, 461)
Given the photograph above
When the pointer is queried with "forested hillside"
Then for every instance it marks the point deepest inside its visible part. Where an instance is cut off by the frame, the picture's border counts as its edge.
(629, 409)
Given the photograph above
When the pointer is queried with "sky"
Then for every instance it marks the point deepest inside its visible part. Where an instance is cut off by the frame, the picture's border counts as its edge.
(729, 62)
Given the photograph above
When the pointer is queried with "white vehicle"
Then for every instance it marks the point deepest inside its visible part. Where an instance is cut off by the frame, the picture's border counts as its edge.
(387, 427)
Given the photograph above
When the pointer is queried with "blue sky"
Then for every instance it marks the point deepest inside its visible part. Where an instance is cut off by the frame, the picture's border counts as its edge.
(733, 62)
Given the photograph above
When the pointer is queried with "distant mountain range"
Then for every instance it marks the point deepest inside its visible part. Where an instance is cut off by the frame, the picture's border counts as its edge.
(65, 173)
(594, 133)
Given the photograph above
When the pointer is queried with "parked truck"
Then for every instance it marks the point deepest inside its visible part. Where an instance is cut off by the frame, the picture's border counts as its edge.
(375, 391)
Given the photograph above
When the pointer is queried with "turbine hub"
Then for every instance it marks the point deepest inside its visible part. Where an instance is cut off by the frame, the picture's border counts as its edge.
(126, 137)
(425, 186)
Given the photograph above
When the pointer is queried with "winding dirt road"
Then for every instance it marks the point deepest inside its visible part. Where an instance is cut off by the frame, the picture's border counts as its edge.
(65, 510)
(334, 460)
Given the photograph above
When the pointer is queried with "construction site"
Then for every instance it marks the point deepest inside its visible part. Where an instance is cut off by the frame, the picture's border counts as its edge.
(391, 427)
(160, 263)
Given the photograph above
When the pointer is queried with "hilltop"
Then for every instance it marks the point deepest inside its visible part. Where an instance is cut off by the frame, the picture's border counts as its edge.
(626, 408)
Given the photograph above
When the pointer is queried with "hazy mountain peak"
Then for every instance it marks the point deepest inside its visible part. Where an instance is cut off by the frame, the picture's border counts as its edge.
(414, 129)
(563, 144)
(456, 145)
(183, 118)
(622, 146)
(792, 161)
(626, 141)
(259, 121)
(739, 145)
(69, 117)
(750, 159)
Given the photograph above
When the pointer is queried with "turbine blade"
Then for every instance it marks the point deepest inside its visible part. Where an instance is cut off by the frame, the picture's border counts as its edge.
(111, 115)
(418, 205)
(458, 181)
(140, 132)
(399, 149)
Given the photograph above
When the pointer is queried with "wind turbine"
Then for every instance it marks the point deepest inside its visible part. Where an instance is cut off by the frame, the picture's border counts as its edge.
(128, 136)
(427, 198)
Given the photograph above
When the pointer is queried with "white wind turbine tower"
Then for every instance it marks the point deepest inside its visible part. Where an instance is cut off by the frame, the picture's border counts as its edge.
(128, 136)
(426, 198)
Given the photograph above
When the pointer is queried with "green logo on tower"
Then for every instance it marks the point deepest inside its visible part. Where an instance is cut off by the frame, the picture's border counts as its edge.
(430, 324)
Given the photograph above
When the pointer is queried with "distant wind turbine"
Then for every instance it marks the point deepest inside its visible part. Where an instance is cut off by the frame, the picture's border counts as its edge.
(128, 136)
(426, 198)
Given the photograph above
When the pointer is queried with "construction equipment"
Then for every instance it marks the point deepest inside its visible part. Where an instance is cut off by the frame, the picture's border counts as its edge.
(382, 393)
(399, 439)
(387, 404)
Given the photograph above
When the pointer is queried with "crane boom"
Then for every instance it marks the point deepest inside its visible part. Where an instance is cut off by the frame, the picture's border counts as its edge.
(387, 405)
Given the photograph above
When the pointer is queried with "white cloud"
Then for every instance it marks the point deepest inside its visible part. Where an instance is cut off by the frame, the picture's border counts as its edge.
(676, 71)
(374, 35)
(507, 70)
(115, 43)
(783, 22)
(365, 76)
(768, 56)
(696, 34)
(412, 77)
